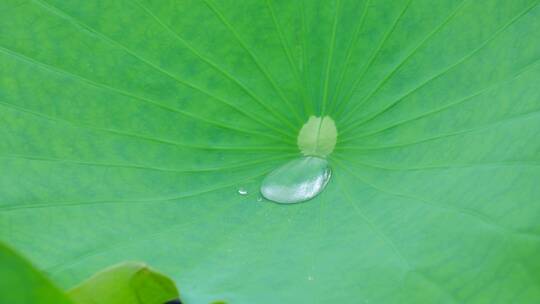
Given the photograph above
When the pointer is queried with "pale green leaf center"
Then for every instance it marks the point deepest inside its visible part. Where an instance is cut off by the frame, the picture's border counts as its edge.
(318, 136)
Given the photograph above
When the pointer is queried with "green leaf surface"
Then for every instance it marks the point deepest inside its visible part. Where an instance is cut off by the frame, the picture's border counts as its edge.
(128, 127)
(21, 283)
(129, 283)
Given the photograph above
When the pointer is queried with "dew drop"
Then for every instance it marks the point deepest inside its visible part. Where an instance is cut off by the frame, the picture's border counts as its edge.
(259, 199)
(242, 191)
(296, 181)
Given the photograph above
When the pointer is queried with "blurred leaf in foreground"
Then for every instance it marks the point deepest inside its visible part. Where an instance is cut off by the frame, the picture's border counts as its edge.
(21, 283)
(130, 282)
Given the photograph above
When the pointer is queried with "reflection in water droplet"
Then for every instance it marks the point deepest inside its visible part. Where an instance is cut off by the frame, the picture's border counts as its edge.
(242, 191)
(296, 181)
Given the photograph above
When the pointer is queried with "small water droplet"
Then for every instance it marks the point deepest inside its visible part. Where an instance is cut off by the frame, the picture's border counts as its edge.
(310, 278)
(297, 181)
(259, 199)
(242, 191)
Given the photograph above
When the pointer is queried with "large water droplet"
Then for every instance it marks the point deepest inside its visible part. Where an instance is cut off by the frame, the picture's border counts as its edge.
(296, 181)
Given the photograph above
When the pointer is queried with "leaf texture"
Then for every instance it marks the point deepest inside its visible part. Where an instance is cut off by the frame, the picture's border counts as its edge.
(128, 127)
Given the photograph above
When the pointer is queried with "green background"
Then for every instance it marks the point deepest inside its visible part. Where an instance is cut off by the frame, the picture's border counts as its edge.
(127, 128)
